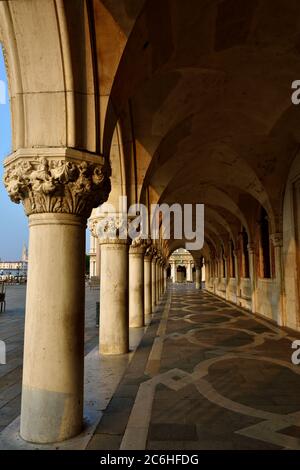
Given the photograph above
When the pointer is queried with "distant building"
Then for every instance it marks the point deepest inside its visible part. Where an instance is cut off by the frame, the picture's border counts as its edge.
(183, 266)
(10, 269)
(13, 265)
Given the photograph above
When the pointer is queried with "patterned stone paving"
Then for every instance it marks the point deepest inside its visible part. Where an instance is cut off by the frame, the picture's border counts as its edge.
(12, 332)
(206, 376)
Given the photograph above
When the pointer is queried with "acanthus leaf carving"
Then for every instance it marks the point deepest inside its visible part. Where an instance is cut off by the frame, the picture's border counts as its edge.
(56, 185)
(112, 227)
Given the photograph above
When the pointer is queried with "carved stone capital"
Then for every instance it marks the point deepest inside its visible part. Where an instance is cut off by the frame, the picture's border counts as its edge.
(162, 261)
(149, 251)
(140, 244)
(154, 254)
(92, 225)
(251, 247)
(137, 250)
(112, 228)
(277, 239)
(56, 181)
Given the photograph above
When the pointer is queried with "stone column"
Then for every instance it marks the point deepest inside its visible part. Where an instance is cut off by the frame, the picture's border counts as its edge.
(174, 271)
(190, 272)
(153, 282)
(216, 273)
(136, 284)
(226, 258)
(237, 273)
(92, 255)
(278, 243)
(172, 263)
(98, 261)
(198, 276)
(207, 272)
(165, 278)
(203, 272)
(147, 285)
(252, 269)
(114, 316)
(58, 191)
(157, 293)
(161, 278)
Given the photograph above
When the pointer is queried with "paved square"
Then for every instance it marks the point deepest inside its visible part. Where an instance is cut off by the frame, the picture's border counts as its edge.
(12, 332)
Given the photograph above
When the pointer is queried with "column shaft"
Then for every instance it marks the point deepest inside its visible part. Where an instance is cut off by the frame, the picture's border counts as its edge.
(277, 243)
(147, 288)
(136, 287)
(162, 279)
(237, 274)
(153, 282)
(173, 271)
(52, 390)
(157, 282)
(198, 277)
(114, 333)
(165, 279)
(252, 268)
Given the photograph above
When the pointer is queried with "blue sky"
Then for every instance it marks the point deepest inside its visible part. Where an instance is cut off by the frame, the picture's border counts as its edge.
(13, 222)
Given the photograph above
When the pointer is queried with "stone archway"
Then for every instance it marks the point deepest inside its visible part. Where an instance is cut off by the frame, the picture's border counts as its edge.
(57, 172)
(181, 272)
(291, 247)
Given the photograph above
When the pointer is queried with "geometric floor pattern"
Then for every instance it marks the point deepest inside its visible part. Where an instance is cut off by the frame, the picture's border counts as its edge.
(207, 375)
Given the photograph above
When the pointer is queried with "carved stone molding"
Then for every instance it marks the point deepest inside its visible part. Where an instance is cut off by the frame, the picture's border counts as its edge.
(277, 239)
(251, 247)
(92, 225)
(141, 242)
(153, 253)
(57, 184)
(149, 252)
(139, 245)
(112, 228)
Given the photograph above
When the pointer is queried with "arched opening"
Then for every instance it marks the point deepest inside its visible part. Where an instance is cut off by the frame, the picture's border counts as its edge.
(181, 265)
(144, 80)
(181, 273)
(168, 271)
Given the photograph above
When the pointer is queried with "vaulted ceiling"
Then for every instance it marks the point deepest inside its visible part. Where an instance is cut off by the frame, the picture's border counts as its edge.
(199, 91)
(203, 90)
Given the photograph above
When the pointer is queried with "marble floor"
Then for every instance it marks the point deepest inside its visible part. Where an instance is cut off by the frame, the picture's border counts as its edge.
(206, 375)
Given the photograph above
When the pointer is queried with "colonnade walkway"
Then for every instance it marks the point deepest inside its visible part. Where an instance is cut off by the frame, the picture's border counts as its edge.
(205, 375)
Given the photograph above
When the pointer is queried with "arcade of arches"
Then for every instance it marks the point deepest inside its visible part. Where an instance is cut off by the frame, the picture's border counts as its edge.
(161, 101)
